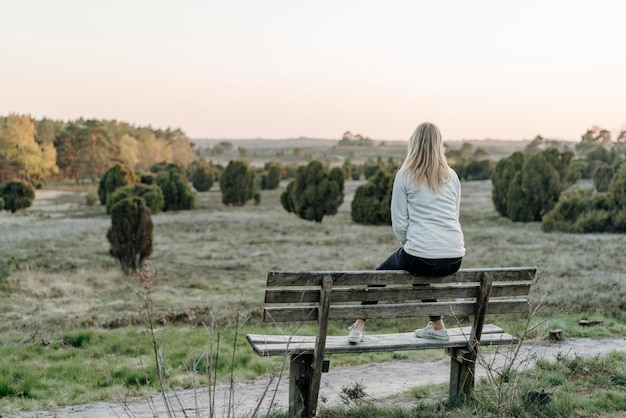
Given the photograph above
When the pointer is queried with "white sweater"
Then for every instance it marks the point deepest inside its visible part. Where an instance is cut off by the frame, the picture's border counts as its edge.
(427, 223)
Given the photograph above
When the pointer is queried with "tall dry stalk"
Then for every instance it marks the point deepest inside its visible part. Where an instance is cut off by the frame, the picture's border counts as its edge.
(146, 278)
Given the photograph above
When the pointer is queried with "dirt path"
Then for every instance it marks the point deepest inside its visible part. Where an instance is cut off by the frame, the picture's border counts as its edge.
(380, 381)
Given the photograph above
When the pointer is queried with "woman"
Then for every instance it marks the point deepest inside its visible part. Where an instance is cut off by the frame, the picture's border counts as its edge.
(425, 206)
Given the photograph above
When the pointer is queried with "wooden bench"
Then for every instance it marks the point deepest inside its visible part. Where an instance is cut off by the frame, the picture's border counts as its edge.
(336, 295)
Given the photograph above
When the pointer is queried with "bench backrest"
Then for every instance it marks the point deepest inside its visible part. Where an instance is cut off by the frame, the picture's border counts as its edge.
(297, 296)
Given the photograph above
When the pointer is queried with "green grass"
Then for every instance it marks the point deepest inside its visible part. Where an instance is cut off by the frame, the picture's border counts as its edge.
(577, 387)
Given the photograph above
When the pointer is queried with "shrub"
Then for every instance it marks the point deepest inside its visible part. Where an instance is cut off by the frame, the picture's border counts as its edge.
(315, 192)
(524, 189)
(202, 176)
(594, 221)
(176, 192)
(582, 211)
(619, 221)
(115, 177)
(371, 167)
(477, 170)
(566, 212)
(372, 201)
(617, 188)
(516, 207)
(501, 179)
(602, 177)
(1, 204)
(272, 173)
(91, 198)
(238, 183)
(147, 178)
(151, 194)
(17, 194)
(541, 187)
(130, 234)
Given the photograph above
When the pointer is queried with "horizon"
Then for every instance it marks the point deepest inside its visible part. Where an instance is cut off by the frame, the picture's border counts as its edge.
(280, 69)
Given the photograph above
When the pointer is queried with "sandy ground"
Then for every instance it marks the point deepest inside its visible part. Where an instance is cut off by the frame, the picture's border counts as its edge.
(380, 381)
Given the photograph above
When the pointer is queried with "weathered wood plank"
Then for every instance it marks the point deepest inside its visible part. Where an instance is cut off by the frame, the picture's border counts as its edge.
(283, 339)
(365, 277)
(390, 311)
(379, 343)
(396, 294)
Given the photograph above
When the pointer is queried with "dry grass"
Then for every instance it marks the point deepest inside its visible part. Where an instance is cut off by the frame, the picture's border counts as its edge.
(55, 271)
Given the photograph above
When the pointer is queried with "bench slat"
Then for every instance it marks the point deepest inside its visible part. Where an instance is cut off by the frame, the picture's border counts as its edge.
(365, 277)
(390, 311)
(397, 294)
(379, 343)
(281, 338)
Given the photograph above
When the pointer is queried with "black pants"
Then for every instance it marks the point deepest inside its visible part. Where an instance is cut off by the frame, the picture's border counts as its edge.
(438, 267)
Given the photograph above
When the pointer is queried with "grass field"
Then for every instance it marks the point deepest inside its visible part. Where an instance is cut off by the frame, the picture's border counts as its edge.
(64, 302)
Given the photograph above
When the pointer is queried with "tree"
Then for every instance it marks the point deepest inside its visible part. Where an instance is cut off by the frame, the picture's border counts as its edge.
(153, 149)
(17, 194)
(372, 201)
(115, 177)
(315, 192)
(131, 233)
(176, 191)
(238, 183)
(96, 150)
(67, 144)
(21, 157)
(128, 151)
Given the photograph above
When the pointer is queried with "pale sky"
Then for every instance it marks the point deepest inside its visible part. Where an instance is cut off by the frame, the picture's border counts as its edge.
(282, 69)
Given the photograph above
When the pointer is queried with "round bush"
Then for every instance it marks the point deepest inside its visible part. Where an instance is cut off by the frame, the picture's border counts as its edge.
(315, 192)
(202, 176)
(176, 192)
(17, 194)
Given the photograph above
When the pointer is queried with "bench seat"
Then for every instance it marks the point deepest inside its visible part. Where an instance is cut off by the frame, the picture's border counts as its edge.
(280, 345)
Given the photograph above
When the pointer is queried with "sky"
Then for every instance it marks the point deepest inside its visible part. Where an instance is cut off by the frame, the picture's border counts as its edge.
(274, 69)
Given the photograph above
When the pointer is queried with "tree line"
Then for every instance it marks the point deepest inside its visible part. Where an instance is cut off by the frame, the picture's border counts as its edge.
(42, 150)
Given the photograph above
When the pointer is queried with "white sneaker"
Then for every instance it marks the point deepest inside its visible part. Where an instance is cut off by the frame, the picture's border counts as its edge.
(429, 332)
(355, 336)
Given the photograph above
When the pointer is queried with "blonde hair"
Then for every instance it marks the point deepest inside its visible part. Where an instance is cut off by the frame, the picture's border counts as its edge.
(426, 157)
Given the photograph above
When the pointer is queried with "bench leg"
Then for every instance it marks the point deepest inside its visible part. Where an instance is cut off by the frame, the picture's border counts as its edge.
(462, 367)
(300, 376)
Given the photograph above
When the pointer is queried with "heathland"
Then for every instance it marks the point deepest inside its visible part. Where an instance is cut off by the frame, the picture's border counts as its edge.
(73, 327)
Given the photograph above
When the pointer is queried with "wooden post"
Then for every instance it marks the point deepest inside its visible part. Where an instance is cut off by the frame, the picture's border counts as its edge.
(461, 373)
(455, 375)
(299, 384)
(467, 361)
(320, 343)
